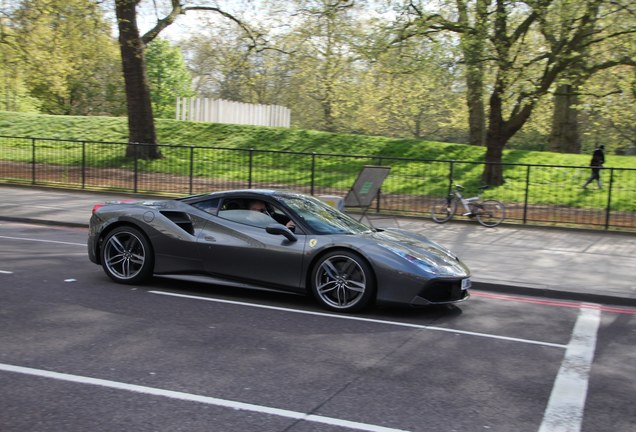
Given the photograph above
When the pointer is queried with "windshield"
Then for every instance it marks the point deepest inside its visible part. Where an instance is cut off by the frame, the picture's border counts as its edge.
(322, 218)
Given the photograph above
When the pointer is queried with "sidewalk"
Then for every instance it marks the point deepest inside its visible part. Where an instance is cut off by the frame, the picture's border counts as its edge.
(571, 264)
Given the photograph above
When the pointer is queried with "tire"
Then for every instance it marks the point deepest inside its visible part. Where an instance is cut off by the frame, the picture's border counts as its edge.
(127, 256)
(444, 210)
(343, 281)
(490, 213)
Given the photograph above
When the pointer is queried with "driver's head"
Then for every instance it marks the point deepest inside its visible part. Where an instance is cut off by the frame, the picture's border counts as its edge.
(258, 205)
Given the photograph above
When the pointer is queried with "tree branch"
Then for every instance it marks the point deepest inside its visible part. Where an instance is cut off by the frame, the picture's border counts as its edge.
(179, 9)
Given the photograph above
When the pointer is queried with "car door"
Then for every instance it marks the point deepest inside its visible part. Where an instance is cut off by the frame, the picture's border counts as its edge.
(246, 253)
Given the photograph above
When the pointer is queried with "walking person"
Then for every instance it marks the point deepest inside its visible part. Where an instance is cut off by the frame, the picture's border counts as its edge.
(598, 159)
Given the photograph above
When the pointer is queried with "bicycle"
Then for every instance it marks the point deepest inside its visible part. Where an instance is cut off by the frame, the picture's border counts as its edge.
(489, 213)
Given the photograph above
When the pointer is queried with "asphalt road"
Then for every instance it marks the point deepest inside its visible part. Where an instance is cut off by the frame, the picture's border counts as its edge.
(78, 353)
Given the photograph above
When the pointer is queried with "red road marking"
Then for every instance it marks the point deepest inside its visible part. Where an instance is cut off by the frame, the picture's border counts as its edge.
(556, 303)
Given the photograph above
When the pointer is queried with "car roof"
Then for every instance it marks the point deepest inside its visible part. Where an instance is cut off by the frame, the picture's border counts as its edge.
(244, 192)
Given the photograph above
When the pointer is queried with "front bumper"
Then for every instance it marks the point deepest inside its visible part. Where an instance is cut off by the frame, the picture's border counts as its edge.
(442, 291)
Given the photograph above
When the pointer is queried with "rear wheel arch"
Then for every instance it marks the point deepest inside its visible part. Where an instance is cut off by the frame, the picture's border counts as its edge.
(106, 231)
(126, 254)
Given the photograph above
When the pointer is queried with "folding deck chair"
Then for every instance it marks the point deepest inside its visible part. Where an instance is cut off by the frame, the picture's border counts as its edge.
(365, 189)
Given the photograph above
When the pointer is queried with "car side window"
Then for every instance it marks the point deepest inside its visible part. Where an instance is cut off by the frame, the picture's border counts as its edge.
(278, 215)
(210, 205)
(252, 212)
(247, 217)
(233, 204)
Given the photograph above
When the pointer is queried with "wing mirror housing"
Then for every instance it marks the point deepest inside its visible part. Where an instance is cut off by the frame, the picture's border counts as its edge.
(278, 229)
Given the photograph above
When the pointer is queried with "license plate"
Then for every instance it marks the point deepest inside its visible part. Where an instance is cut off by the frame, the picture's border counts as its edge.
(465, 284)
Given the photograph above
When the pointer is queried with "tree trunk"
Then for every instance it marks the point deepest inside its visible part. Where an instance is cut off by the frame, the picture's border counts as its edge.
(472, 44)
(493, 171)
(475, 102)
(142, 137)
(565, 137)
(499, 132)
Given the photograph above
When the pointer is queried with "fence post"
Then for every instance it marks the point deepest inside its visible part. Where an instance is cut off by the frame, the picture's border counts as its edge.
(135, 166)
(527, 194)
(83, 164)
(609, 200)
(249, 179)
(313, 173)
(451, 175)
(33, 161)
(191, 169)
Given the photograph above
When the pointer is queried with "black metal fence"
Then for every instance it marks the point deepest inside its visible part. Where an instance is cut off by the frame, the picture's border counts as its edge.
(533, 194)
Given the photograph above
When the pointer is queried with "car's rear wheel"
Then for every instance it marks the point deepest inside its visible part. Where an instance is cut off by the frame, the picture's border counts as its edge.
(491, 213)
(127, 256)
(343, 281)
(444, 210)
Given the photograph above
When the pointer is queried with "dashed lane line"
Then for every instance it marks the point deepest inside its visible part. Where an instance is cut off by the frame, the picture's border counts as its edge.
(299, 416)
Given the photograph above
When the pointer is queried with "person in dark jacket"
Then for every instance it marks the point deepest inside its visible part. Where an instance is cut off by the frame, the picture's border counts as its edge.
(598, 159)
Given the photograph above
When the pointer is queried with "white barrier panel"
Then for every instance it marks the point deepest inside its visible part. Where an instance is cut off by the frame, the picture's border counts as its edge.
(223, 111)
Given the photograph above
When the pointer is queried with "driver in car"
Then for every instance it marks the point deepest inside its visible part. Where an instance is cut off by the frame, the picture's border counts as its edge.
(259, 206)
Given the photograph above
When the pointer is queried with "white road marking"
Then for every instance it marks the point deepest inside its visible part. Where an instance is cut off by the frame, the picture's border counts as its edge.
(49, 207)
(43, 241)
(564, 412)
(355, 318)
(6, 272)
(197, 398)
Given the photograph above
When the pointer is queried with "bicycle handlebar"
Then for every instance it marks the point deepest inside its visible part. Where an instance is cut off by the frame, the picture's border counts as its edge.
(460, 187)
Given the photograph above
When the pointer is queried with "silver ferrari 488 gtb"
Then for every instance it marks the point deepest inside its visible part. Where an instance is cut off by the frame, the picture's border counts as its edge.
(276, 240)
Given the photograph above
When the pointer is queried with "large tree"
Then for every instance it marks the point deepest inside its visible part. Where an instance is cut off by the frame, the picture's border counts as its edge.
(530, 48)
(324, 58)
(13, 90)
(52, 59)
(407, 91)
(610, 50)
(142, 136)
(469, 20)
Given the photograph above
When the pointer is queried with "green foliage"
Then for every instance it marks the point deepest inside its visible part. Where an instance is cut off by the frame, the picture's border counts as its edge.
(417, 166)
(115, 129)
(168, 77)
(68, 58)
(375, 68)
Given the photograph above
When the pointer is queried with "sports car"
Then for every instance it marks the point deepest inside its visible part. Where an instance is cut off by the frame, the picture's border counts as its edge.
(275, 240)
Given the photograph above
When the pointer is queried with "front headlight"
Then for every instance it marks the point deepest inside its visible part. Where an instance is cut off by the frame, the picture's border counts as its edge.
(422, 262)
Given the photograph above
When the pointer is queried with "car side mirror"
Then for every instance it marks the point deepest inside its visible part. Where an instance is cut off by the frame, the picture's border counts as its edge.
(278, 229)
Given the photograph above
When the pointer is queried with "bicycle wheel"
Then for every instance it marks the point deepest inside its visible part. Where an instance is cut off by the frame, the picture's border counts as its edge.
(490, 213)
(444, 210)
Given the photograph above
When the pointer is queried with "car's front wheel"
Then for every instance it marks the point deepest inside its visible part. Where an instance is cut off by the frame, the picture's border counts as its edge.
(343, 281)
(127, 256)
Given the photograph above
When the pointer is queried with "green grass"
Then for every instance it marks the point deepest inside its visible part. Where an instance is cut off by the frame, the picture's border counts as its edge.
(115, 129)
(407, 177)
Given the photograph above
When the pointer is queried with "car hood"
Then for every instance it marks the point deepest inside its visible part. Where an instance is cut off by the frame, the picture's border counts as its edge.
(421, 251)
